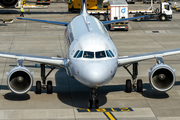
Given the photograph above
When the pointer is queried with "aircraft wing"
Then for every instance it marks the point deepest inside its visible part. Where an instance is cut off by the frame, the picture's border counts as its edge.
(124, 60)
(58, 62)
(116, 21)
(46, 21)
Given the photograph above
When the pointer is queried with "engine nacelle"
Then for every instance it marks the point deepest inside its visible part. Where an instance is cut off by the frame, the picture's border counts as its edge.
(8, 3)
(20, 80)
(162, 77)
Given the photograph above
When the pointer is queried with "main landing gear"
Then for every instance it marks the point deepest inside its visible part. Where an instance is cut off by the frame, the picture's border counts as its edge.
(48, 87)
(93, 100)
(136, 84)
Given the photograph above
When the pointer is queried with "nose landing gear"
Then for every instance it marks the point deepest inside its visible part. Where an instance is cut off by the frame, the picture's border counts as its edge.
(93, 100)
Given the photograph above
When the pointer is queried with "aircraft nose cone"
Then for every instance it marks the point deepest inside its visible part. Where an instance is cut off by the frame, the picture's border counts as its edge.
(95, 73)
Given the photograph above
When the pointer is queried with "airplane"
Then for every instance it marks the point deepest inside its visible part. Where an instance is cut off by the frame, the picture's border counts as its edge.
(92, 59)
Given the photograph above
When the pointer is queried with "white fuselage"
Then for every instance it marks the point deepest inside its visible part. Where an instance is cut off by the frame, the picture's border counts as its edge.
(91, 53)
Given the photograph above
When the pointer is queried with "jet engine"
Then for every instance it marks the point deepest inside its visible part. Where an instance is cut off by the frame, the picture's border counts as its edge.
(20, 80)
(8, 3)
(162, 77)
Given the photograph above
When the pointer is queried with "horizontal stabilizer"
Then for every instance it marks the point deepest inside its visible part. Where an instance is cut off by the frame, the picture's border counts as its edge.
(46, 21)
(116, 21)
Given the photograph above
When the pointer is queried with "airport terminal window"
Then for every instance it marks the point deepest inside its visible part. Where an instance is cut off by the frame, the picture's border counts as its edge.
(76, 53)
(80, 54)
(100, 54)
(88, 54)
(108, 54)
(111, 53)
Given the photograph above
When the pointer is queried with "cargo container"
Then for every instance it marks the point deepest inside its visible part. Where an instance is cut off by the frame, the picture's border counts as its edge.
(119, 10)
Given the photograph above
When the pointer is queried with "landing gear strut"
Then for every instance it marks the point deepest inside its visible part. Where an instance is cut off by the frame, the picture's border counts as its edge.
(93, 100)
(138, 85)
(48, 87)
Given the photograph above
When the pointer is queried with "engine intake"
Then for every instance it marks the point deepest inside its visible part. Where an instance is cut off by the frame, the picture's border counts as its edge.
(162, 77)
(20, 80)
(8, 3)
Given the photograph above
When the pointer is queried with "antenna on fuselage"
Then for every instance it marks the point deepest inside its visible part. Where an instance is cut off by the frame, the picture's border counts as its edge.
(83, 7)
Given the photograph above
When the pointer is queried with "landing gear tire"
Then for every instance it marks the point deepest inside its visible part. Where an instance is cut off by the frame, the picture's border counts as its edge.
(163, 17)
(96, 104)
(137, 15)
(126, 29)
(49, 87)
(128, 86)
(138, 19)
(139, 85)
(90, 104)
(38, 87)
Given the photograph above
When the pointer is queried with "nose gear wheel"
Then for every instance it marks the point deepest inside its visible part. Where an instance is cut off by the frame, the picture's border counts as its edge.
(93, 101)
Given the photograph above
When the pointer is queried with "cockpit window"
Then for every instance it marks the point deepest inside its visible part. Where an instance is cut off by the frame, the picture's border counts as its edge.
(88, 54)
(111, 53)
(100, 54)
(76, 54)
(80, 54)
(108, 54)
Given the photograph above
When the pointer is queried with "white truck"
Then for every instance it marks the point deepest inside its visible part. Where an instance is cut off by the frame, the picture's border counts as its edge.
(119, 10)
(163, 14)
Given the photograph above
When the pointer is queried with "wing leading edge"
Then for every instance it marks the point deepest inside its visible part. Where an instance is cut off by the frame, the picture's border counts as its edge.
(141, 57)
(65, 24)
(46, 21)
(58, 62)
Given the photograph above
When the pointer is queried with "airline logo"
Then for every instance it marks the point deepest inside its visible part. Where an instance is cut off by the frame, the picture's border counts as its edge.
(123, 10)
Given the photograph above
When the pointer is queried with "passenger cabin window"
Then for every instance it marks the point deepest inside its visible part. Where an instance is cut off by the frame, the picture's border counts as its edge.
(100, 54)
(76, 54)
(88, 54)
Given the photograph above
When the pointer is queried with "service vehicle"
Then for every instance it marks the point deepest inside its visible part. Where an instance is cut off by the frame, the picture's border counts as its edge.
(131, 1)
(112, 11)
(176, 6)
(147, 1)
(75, 5)
(43, 2)
(119, 10)
(6, 21)
(27, 5)
(102, 11)
(163, 13)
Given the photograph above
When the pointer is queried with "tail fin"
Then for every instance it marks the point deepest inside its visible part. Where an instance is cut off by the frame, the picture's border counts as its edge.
(83, 7)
